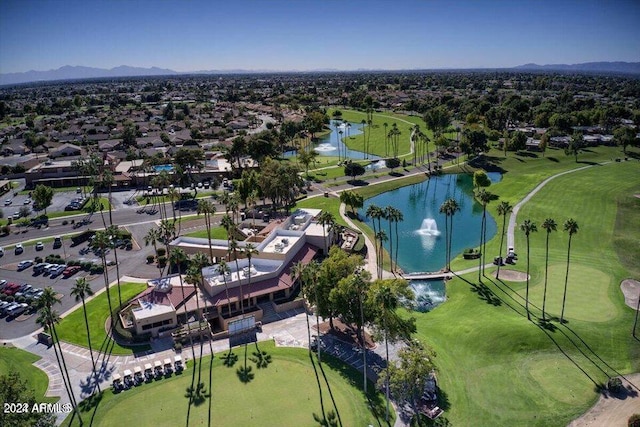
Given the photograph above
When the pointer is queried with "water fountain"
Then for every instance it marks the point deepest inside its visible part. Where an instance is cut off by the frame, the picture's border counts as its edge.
(324, 147)
(428, 228)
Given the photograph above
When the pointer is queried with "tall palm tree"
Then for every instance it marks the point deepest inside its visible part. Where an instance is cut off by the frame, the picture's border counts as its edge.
(207, 208)
(445, 208)
(48, 318)
(233, 248)
(325, 219)
(571, 226)
(549, 225)
(363, 122)
(485, 198)
(386, 139)
(249, 251)
(299, 272)
(174, 196)
(528, 227)
(381, 236)
(113, 233)
(504, 209)
(101, 243)
(388, 215)
(223, 269)
(178, 257)
(80, 291)
(397, 217)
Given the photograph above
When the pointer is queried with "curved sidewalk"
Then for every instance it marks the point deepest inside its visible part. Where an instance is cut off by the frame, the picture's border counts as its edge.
(516, 208)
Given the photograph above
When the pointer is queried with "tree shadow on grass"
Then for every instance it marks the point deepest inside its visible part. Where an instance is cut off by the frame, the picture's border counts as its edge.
(319, 418)
(229, 359)
(553, 159)
(335, 412)
(485, 294)
(261, 358)
(197, 395)
(357, 183)
(588, 162)
(244, 373)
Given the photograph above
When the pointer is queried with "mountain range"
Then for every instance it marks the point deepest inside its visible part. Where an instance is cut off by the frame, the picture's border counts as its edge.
(69, 72)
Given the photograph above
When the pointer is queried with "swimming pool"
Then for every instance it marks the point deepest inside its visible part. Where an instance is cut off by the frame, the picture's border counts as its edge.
(160, 168)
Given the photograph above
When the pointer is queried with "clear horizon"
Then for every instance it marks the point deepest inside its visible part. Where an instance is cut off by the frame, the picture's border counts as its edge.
(305, 35)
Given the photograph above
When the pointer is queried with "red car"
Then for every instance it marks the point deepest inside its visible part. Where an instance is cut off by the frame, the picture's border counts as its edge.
(71, 270)
(11, 288)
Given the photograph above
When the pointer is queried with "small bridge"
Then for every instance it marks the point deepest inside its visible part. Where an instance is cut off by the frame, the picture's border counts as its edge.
(427, 276)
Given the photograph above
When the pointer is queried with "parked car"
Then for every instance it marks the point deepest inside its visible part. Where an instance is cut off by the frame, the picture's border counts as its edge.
(11, 289)
(18, 310)
(39, 246)
(8, 202)
(56, 271)
(71, 270)
(1, 251)
(57, 242)
(39, 267)
(8, 308)
(22, 290)
(25, 264)
(27, 202)
(3, 283)
(18, 249)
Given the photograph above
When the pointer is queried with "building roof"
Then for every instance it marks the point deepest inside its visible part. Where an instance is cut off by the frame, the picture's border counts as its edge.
(173, 297)
(283, 281)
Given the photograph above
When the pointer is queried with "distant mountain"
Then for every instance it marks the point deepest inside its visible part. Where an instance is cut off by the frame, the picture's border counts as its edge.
(69, 72)
(594, 67)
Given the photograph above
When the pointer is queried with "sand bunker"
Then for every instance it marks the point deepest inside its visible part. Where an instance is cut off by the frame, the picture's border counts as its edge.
(512, 275)
(630, 289)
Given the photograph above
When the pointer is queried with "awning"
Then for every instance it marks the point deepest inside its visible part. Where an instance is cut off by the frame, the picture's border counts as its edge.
(147, 367)
(127, 373)
(178, 359)
(137, 370)
(157, 364)
(167, 361)
(116, 377)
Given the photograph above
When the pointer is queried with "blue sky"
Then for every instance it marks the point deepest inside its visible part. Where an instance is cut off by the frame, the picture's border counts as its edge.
(304, 35)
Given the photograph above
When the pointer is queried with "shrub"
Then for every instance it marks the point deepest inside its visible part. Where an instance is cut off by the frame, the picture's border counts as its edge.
(65, 222)
(614, 385)
(20, 299)
(634, 420)
(11, 298)
(177, 346)
(162, 261)
(86, 265)
(37, 259)
(6, 230)
(161, 252)
(150, 259)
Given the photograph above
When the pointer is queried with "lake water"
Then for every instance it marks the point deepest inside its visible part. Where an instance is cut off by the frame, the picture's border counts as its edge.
(422, 233)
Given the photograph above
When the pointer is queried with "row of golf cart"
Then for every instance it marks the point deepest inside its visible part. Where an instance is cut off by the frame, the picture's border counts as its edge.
(156, 371)
(511, 258)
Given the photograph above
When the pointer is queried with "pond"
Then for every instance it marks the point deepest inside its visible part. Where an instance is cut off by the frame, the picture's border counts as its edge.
(332, 144)
(422, 232)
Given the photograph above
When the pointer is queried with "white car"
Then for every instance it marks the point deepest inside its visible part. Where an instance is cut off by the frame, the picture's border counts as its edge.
(27, 202)
(19, 249)
(8, 202)
(39, 246)
(1, 251)
(25, 264)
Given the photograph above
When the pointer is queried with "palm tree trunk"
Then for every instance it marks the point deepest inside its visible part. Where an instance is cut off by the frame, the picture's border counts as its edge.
(566, 281)
(397, 243)
(480, 246)
(66, 372)
(546, 275)
(386, 346)
(504, 223)
(446, 242)
(526, 298)
(93, 362)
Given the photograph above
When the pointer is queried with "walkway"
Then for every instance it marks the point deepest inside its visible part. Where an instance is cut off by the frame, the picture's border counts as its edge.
(516, 208)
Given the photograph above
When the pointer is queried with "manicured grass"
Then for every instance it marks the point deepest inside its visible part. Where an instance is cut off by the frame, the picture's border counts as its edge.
(288, 392)
(20, 361)
(72, 328)
(216, 233)
(498, 368)
(329, 204)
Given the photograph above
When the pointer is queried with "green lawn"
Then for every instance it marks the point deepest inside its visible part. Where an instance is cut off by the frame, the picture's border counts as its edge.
(216, 233)
(496, 367)
(288, 392)
(329, 204)
(20, 361)
(72, 328)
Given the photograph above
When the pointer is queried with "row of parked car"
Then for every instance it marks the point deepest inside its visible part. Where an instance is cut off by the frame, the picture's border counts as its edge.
(22, 295)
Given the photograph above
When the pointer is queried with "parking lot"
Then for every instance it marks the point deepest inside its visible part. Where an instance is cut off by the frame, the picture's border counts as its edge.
(10, 272)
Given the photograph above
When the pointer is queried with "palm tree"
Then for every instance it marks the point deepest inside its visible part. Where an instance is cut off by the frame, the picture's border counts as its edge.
(249, 251)
(504, 209)
(101, 243)
(397, 217)
(381, 236)
(363, 122)
(388, 215)
(550, 225)
(528, 227)
(299, 272)
(223, 269)
(151, 238)
(386, 139)
(570, 226)
(112, 231)
(80, 291)
(207, 208)
(178, 257)
(485, 197)
(48, 318)
(174, 196)
(325, 219)
(233, 248)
